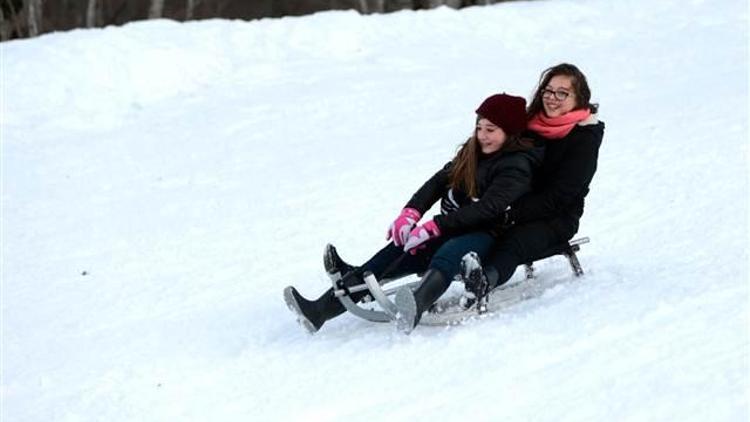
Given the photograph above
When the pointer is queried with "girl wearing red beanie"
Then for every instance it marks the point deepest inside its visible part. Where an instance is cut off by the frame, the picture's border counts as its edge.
(562, 118)
(492, 169)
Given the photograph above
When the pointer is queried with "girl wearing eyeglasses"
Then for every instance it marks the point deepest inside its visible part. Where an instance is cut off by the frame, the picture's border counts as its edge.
(562, 118)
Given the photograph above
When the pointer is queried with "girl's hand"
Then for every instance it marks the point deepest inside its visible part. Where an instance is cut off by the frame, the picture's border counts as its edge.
(421, 235)
(403, 224)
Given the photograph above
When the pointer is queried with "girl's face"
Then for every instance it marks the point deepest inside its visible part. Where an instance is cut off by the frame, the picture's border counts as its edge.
(490, 136)
(558, 97)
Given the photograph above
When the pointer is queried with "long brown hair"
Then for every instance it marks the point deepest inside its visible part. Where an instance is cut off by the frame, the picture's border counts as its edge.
(463, 173)
(580, 87)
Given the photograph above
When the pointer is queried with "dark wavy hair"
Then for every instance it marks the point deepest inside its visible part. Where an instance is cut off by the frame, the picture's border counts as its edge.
(580, 87)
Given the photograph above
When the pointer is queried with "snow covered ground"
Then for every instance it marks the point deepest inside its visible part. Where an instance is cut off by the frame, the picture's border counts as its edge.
(162, 182)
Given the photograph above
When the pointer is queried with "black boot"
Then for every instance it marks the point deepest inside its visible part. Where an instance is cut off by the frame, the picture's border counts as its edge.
(312, 314)
(411, 305)
(334, 265)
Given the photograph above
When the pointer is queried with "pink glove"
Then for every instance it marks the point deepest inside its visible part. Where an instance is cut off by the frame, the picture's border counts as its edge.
(420, 235)
(401, 227)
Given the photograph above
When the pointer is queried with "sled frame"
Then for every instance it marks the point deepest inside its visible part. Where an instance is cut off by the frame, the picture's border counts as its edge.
(380, 291)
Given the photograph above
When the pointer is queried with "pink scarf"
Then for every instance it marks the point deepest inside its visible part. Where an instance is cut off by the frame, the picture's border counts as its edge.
(557, 127)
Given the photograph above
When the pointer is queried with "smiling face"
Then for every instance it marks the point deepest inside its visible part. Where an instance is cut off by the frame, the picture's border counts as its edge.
(490, 136)
(558, 97)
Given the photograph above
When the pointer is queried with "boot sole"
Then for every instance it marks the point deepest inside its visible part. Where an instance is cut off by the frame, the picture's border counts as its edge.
(329, 262)
(293, 306)
(335, 267)
(471, 272)
(407, 310)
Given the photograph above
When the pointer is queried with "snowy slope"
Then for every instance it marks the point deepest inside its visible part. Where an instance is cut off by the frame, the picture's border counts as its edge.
(162, 182)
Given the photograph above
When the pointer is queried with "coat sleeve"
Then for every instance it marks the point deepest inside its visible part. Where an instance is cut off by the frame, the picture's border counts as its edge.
(432, 190)
(571, 182)
(507, 185)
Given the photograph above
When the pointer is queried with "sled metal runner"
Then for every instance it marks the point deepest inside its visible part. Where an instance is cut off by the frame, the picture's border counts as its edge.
(381, 290)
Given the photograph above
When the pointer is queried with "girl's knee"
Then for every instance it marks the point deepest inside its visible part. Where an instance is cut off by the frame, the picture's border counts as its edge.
(446, 265)
(448, 258)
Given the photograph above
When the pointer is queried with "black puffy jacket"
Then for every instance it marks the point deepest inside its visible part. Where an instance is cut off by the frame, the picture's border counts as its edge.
(501, 178)
(563, 180)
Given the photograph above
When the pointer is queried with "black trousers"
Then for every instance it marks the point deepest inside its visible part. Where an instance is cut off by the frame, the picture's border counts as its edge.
(524, 242)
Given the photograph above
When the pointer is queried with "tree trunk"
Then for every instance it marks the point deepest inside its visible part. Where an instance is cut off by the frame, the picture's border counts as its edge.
(4, 26)
(156, 9)
(91, 14)
(14, 22)
(363, 7)
(34, 16)
(379, 6)
(431, 4)
(189, 9)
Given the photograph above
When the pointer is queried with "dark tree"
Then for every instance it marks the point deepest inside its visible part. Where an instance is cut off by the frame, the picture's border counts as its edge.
(24, 18)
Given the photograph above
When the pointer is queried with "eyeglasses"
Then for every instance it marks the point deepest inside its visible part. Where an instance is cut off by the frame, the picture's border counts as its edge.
(559, 95)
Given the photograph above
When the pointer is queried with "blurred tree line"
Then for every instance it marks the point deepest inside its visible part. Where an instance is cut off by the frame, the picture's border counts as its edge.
(29, 18)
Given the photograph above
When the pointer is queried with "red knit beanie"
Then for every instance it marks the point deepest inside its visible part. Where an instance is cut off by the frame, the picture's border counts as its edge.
(506, 111)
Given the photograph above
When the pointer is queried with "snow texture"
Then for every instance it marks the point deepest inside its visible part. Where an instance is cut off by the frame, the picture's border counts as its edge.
(162, 183)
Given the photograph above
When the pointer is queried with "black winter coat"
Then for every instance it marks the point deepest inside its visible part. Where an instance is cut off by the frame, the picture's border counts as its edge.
(501, 178)
(563, 180)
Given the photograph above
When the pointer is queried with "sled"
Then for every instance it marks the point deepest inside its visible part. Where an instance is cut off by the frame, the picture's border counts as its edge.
(449, 311)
